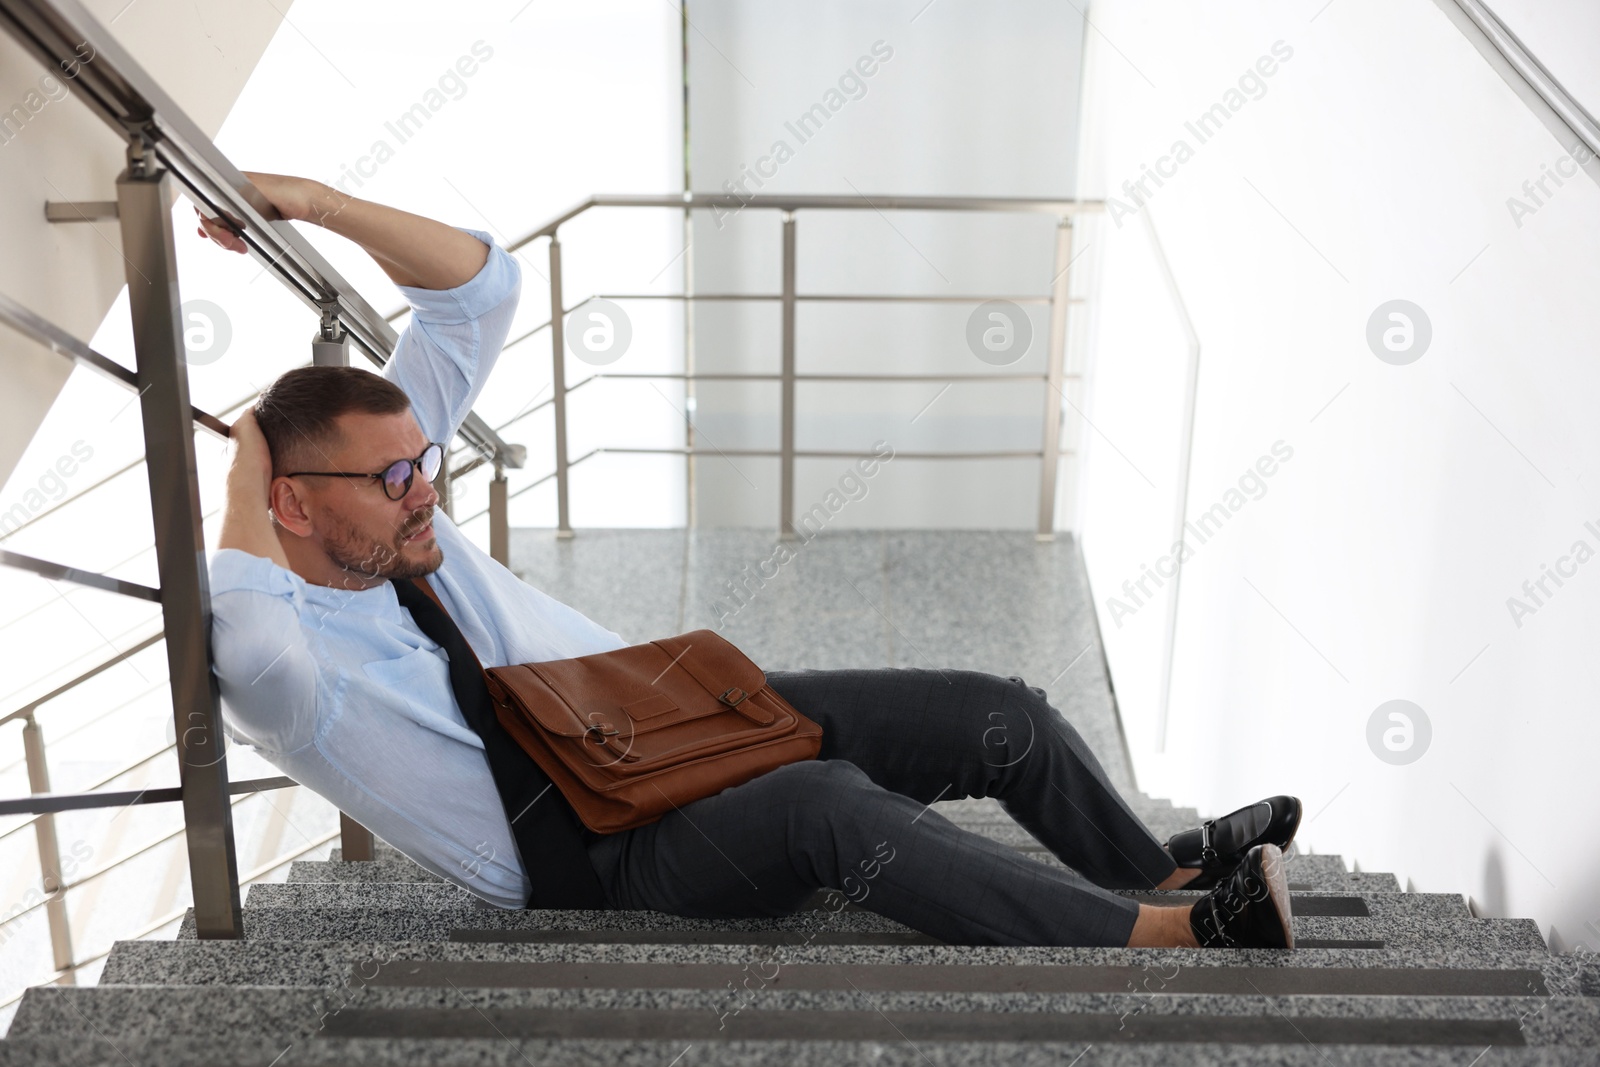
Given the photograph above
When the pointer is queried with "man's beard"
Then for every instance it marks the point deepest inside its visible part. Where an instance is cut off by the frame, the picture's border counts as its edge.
(371, 559)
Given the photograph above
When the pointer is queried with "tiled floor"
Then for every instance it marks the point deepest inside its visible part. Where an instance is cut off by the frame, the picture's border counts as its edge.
(996, 601)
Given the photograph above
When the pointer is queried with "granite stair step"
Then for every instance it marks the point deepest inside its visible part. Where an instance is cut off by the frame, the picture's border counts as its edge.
(434, 895)
(426, 916)
(442, 1000)
(382, 962)
(1304, 871)
(84, 1049)
(1082, 970)
(385, 870)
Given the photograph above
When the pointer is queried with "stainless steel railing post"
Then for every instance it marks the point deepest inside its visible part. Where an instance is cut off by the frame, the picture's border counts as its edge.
(144, 199)
(443, 485)
(558, 386)
(355, 841)
(499, 518)
(786, 530)
(44, 829)
(331, 345)
(1049, 462)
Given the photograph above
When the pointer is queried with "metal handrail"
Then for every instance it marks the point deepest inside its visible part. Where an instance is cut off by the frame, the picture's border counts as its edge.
(1058, 300)
(798, 202)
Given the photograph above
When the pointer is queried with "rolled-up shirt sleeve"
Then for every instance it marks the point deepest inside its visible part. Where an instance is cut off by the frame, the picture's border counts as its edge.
(261, 653)
(445, 354)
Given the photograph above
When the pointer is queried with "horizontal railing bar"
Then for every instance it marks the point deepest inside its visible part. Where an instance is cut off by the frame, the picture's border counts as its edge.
(262, 785)
(50, 803)
(531, 485)
(800, 453)
(126, 768)
(891, 298)
(62, 572)
(147, 549)
(677, 296)
(47, 512)
(63, 343)
(151, 927)
(57, 739)
(754, 377)
(33, 705)
(467, 468)
(239, 797)
(740, 377)
(837, 298)
(135, 464)
(833, 202)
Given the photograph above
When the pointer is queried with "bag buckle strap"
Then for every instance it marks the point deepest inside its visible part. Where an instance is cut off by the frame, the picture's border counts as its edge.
(599, 731)
(1208, 852)
(743, 696)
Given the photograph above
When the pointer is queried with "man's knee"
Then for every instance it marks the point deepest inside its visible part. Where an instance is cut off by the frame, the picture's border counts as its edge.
(1006, 721)
(813, 779)
(815, 800)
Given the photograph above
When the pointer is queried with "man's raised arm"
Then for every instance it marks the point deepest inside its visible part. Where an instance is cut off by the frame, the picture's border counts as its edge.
(412, 250)
(463, 292)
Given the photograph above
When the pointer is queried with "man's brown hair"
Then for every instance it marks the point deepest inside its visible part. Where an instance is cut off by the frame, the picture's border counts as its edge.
(297, 413)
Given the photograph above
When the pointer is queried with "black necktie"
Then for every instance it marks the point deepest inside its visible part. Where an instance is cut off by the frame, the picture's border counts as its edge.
(549, 836)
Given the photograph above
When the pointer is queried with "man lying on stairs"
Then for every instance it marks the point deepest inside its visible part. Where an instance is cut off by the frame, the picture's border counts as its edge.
(341, 672)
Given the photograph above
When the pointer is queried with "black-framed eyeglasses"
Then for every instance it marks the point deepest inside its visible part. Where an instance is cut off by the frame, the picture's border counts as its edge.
(397, 476)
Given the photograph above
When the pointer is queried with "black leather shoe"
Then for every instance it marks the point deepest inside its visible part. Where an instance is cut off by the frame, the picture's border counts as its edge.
(1221, 844)
(1250, 909)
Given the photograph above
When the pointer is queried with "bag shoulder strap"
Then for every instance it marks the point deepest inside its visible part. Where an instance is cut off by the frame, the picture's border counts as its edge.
(422, 583)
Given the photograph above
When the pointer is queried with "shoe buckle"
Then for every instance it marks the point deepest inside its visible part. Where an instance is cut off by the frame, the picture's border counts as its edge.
(1208, 852)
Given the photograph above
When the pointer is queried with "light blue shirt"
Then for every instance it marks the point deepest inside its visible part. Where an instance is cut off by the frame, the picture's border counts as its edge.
(341, 690)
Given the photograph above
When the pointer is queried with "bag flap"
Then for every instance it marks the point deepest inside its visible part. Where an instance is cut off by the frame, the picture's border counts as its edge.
(529, 690)
(713, 661)
(642, 684)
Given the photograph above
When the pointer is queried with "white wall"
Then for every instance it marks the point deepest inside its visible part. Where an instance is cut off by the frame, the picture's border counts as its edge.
(1378, 560)
(962, 98)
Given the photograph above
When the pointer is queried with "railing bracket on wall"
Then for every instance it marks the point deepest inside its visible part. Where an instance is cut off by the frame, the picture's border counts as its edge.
(79, 210)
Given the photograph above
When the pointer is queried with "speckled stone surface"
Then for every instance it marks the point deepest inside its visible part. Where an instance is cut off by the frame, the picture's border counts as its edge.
(1323, 872)
(1326, 873)
(853, 598)
(376, 922)
(293, 1014)
(373, 871)
(434, 896)
(323, 962)
(88, 1050)
(335, 963)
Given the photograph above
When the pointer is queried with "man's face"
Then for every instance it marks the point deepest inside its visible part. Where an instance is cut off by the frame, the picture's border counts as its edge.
(355, 523)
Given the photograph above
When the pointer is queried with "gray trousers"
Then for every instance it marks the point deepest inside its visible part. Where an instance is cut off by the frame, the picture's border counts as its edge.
(857, 819)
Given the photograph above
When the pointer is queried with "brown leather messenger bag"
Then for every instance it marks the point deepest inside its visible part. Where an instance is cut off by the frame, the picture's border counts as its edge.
(632, 734)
